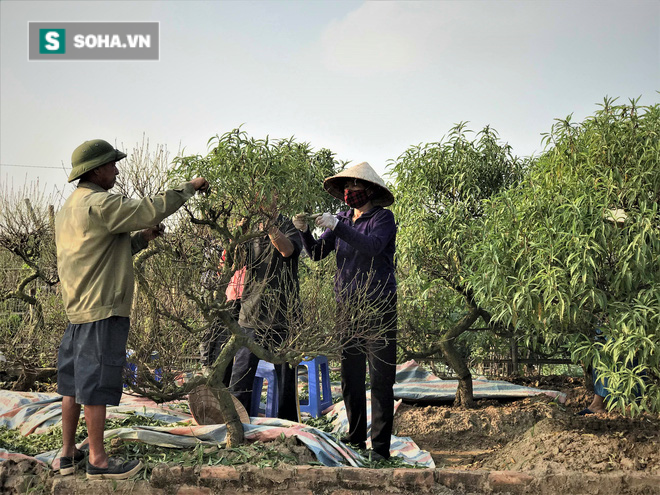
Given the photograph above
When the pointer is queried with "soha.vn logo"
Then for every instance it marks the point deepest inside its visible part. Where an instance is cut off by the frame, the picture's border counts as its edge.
(54, 41)
(93, 40)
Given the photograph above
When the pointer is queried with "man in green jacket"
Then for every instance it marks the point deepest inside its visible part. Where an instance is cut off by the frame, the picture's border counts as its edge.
(94, 262)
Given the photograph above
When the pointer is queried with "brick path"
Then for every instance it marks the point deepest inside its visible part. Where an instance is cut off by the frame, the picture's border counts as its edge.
(313, 480)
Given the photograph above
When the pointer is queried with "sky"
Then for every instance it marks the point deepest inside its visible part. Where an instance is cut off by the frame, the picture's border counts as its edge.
(366, 80)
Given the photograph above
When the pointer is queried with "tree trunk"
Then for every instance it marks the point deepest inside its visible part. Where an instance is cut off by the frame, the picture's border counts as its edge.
(235, 434)
(514, 357)
(464, 394)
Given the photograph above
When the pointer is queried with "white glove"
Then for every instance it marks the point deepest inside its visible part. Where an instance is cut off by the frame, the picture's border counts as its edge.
(327, 221)
(300, 222)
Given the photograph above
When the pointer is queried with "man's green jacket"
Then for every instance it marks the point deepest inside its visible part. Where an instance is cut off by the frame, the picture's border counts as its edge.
(95, 248)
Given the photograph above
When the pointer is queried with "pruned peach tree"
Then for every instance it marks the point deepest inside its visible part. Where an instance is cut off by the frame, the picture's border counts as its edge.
(31, 313)
(183, 276)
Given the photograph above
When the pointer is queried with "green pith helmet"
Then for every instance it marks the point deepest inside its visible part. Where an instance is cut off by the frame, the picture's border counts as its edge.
(92, 154)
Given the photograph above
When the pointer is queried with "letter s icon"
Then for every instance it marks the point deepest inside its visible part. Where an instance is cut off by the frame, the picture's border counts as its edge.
(53, 42)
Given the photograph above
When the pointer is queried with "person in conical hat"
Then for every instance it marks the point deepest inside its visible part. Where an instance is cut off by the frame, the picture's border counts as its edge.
(363, 238)
(379, 194)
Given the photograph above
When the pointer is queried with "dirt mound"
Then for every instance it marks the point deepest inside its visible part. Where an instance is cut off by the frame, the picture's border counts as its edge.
(592, 444)
(534, 434)
(23, 476)
(445, 428)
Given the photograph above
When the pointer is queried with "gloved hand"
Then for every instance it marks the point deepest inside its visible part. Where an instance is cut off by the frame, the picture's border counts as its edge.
(300, 222)
(327, 221)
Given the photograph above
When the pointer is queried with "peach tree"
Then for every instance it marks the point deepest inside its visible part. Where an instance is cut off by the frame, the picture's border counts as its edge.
(573, 249)
(441, 191)
(183, 276)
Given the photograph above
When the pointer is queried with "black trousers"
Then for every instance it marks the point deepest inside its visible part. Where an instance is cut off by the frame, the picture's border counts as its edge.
(214, 338)
(245, 369)
(380, 353)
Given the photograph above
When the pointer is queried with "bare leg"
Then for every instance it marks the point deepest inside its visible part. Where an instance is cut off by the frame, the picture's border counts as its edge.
(598, 404)
(95, 419)
(70, 416)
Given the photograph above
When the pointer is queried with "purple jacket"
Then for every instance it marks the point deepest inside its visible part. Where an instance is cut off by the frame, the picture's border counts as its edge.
(364, 247)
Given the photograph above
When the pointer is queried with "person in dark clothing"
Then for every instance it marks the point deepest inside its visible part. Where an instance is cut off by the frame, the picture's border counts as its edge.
(364, 240)
(217, 335)
(269, 301)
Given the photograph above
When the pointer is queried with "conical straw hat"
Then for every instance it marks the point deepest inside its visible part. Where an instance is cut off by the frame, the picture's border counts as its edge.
(205, 408)
(363, 171)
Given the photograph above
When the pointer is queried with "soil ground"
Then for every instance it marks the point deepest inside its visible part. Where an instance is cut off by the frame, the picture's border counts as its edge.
(534, 435)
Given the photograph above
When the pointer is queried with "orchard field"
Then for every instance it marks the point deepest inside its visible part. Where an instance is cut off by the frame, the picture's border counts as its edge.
(548, 264)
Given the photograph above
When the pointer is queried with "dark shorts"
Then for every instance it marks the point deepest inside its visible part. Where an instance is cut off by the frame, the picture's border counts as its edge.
(91, 359)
